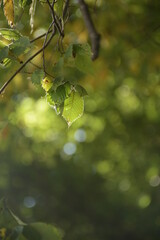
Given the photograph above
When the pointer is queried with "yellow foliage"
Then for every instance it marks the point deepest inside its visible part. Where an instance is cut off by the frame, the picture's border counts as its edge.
(9, 11)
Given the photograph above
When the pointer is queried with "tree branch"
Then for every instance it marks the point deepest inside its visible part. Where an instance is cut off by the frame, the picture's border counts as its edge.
(93, 34)
(25, 63)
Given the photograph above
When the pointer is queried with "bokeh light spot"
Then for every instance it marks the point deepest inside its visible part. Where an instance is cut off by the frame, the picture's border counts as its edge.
(80, 135)
(29, 202)
(69, 148)
(144, 201)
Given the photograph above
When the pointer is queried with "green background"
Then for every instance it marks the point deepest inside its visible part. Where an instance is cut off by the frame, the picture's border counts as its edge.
(99, 179)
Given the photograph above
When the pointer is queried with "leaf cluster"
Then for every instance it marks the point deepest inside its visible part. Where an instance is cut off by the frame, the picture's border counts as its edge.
(12, 228)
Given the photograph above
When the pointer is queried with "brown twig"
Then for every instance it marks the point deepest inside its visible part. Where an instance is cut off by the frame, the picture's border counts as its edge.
(93, 34)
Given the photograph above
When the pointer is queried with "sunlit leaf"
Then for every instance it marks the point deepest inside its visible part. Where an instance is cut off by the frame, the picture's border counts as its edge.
(10, 34)
(9, 11)
(73, 107)
(49, 100)
(5, 62)
(47, 83)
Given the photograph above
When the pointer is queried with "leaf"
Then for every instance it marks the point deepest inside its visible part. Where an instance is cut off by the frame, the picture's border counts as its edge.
(6, 218)
(5, 62)
(17, 219)
(4, 53)
(82, 54)
(2, 44)
(41, 231)
(82, 91)
(14, 233)
(79, 56)
(20, 46)
(58, 81)
(68, 57)
(8, 6)
(73, 107)
(23, 3)
(58, 68)
(50, 101)
(37, 77)
(47, 83)
(32, 13)
(61, 93)
(10, 34)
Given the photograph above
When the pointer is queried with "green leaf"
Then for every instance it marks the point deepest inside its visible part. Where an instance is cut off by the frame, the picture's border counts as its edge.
(23, 3)
(61, 93)
(14, 234)
(17, 219)
(69, 52)
(82, 91)
(50, 101)
(2, 44)
(5, 62)
(41, 231)
(20, 46)
(4, 53)
(58, 81)
(37, 77)
(10, 34)
(73, 107)
(7, 218)
(58, 68)
(68, 57)
(82, 55)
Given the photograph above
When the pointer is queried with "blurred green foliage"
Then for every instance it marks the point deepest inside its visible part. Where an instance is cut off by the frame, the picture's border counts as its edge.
(99, 179)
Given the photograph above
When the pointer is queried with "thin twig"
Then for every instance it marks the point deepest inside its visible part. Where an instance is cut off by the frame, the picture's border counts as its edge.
(35, 65)
(54, 17)
(26, 62)
(93, 34)
(66, 5)
(45, 40)
(40, 36)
